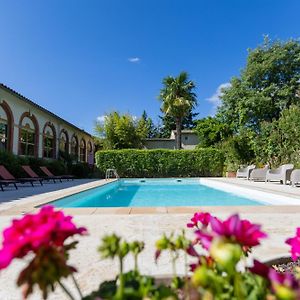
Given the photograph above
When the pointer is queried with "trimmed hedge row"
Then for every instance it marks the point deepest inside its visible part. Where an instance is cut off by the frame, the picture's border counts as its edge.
(161, 163)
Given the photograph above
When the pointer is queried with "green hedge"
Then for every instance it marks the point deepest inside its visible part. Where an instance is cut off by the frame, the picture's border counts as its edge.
(13, 163)
(161, 163)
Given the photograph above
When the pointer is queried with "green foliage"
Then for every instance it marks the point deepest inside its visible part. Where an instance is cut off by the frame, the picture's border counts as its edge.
(214, 277)
(169, 124)
(161, 163)
(120, 132)
(238, 150)
(146, 128)
(130, 285)
(258, 118)
(279, 141)
(211, 131)
(46, 269)
(13, 163)
(178, 99)
(268, 84)
(81, 170)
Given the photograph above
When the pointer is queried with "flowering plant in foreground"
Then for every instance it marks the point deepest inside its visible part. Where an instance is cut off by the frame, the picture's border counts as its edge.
(44, 235)
(215, 264)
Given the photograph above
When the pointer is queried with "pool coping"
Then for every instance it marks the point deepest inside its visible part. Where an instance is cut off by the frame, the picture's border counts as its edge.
(32, 203)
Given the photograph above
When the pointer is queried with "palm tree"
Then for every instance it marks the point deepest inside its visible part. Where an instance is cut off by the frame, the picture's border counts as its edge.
(178, 98)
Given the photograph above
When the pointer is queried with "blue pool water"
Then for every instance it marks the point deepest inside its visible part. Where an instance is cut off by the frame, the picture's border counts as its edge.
(153, 192)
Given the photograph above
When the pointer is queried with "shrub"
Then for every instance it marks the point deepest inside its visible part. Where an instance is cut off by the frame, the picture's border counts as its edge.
(161, 163)
(12, 163)
(59, 167)
(81, 170)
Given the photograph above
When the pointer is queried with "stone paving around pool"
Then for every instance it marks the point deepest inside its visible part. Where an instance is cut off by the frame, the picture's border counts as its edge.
(149, 227)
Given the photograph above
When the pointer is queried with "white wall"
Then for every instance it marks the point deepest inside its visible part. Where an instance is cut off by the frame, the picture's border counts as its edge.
(18, 107)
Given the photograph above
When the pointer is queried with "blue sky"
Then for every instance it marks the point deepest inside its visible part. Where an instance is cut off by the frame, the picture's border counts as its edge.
(75, 57)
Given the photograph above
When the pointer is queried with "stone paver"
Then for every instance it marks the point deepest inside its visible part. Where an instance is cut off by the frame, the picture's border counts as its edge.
(146, 227)
(145, 224)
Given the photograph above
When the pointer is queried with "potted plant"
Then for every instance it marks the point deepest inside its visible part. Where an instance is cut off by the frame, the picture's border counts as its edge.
(231, 168)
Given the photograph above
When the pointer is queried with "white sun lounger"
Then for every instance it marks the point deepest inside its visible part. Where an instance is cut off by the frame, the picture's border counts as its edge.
(259, 174)
(281, 174)
(245, 172)
(295, 177)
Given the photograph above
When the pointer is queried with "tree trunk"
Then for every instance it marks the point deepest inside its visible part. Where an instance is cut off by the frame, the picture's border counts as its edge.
(178, 133)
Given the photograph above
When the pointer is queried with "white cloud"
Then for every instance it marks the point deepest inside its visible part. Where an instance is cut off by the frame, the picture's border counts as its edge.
(215, 98)
(101, 119)
(134, 59)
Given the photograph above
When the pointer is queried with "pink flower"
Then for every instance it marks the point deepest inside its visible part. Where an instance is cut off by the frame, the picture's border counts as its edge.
(286, 279)
(284, 284)
(204, 238)
(295, 245)
(47, 228)
(199, 217)
(243, 232)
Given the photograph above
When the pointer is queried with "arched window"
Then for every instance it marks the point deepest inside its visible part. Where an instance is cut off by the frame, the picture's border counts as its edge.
(90, 155)
(49, 141)
(3, 130)
(28, 136)
(82, 154)
(74, 147)
(6, 127)
(90, 148)
(64, 141)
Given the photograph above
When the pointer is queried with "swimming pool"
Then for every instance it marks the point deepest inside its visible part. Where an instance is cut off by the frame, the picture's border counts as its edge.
(153, 193)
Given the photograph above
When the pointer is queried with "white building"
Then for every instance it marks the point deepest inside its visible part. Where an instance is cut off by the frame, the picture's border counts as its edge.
(31, 130)
(189, 141)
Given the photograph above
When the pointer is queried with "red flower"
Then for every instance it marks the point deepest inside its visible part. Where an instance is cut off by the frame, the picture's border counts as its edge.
(199, 217)
(192, 251)
(242, 231)
(260, 269)
(295, 245)
(47, 228)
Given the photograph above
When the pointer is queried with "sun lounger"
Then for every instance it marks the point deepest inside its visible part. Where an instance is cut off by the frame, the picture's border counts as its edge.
(32, 174)
(245, 172)
(295, 177)
(281, 174)
(7, 176)
(8, 182)
(259, 174)
(49, 174)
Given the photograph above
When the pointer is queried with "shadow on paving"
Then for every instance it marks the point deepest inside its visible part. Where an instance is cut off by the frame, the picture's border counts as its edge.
(26, 190)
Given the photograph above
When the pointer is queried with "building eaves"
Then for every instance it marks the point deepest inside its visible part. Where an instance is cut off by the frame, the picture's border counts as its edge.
(23, 98)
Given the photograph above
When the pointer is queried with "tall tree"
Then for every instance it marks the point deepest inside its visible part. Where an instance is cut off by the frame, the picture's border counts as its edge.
(268, 84)
(118, 132)
(168, 123)
(178, 99)
(211, 131)
(146, 126)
